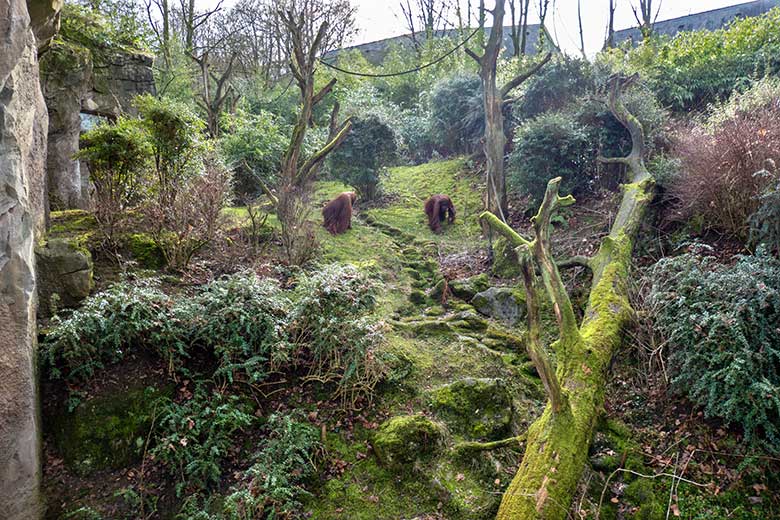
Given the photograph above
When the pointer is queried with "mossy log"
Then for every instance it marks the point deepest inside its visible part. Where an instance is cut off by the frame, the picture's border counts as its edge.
(557, 443)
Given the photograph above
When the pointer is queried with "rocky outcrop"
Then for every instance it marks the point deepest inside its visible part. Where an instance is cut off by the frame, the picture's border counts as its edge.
(115, 83)
(45, 16)
(23, 126)
(502, 303)
(64, 275)
(76, 80)
(66, 74)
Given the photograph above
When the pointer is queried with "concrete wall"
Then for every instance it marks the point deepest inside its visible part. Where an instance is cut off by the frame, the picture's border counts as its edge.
(709, 20)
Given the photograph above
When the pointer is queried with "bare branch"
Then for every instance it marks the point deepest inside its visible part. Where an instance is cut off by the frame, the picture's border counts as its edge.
(521, 78)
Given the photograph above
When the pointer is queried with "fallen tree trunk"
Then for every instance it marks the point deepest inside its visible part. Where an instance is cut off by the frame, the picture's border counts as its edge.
(557, 443)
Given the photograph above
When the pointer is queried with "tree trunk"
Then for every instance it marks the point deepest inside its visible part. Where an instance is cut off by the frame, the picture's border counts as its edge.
(557, 445)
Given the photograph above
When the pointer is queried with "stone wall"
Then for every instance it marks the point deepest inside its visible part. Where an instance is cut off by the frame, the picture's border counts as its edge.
(73, 82)
(23, 128)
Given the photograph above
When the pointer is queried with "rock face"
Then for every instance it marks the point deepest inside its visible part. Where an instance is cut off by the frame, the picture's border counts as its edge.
(23, 127)
(74, 83)
(107, 431)
(64, 270)
(502, 303)
(66, 72)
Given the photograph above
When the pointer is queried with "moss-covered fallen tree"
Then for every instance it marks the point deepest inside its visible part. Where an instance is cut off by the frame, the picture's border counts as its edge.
(557, 443)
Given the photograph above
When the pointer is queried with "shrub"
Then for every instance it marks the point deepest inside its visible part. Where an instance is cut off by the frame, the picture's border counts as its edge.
(332, 332)
(242, 320)
(414, 133)
(174, 133)
(250, 325)
(549, 146)
(558, 83)
(182, 225)
(272, 486)
(765, 222)
(108, 326)
(195, 436)
(699, 67)
(253, 144)
(457, 114)
(719, 162)
(721, 323)
(118, 159)
(361, 158)
(299, 242)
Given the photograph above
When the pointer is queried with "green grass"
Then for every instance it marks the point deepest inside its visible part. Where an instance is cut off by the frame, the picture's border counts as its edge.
(410, 186)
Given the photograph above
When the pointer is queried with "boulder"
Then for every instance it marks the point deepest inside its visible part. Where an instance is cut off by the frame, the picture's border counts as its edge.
(23, 126)
(406, 438)
(108, 431)
(502, 303)
(467, 288)
(475, 408)
(64, 269)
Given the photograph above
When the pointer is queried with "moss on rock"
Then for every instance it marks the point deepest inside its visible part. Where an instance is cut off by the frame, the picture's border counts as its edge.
(467, 288)
(145, 251)
(475, 408)
(407, 438)
(107, 431)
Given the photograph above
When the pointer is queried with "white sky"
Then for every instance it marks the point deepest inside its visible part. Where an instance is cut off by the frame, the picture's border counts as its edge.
(378, 19)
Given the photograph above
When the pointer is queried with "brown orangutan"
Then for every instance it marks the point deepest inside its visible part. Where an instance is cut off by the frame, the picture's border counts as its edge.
(438, 208)
(337, 214)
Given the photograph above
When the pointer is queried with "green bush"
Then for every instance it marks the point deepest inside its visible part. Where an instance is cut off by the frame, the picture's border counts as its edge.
(699, 67)
(362, 157)
(457, 114)
(118, 159)
(721, 323)
(195, 436)
(551, 145)
(105, 328)
(249, 325)
(177, 148)
(559, 83)
(765, 222)
(273, 485)
(241, 319)
(331, 321)
(253, 145)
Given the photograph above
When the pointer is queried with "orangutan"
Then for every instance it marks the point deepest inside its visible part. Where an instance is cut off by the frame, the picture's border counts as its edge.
(438, 208)
(337, 214)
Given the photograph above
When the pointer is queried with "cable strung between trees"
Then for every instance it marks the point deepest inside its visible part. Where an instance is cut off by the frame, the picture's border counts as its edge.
(402, 73)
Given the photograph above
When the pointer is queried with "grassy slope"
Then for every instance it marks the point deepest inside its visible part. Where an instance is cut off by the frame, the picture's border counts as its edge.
(367, 490)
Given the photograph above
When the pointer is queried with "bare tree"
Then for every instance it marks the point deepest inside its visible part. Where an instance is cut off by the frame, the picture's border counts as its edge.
(426, 18)
(298, 172)
(644, 16)
(494, 100)
(610, 41)
(518, 13)
(582, 34)
(542, 7)
(574, 378)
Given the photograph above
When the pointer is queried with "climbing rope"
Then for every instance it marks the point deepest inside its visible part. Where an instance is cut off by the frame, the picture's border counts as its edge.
(410, 71)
